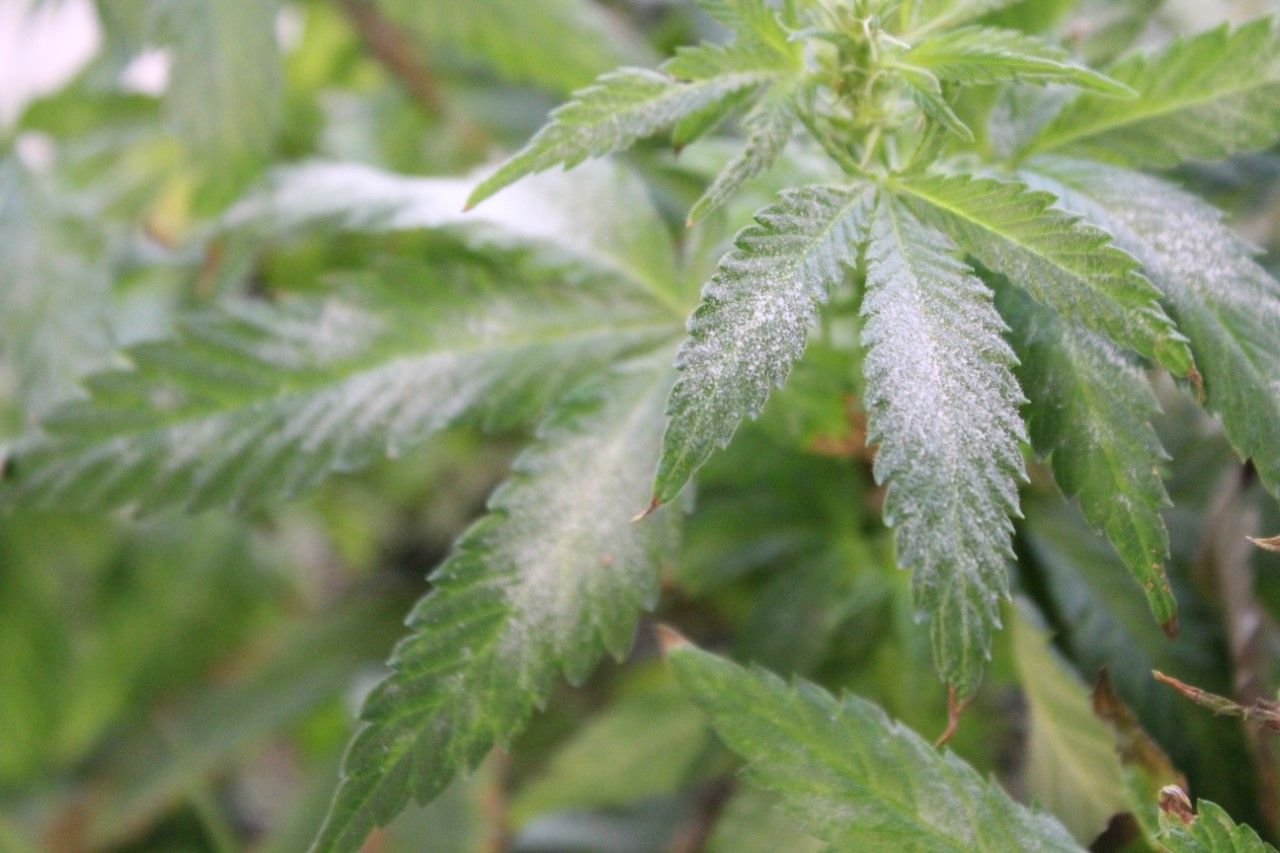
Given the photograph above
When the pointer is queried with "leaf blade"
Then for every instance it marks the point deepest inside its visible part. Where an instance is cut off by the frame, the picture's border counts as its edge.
(1200, 98)
(551, 579)
(1090, 414)
(942, 404)
(1069, 265)
(848, 774)
(752, 323)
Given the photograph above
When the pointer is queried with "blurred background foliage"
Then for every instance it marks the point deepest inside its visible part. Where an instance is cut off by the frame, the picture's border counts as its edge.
(189, 682)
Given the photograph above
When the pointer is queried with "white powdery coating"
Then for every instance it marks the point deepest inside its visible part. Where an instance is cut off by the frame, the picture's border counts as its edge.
(1226, 303)
(280, 397)
(755, 318)
(943, 405)
(601, 215)
(581, 568)
(1066, 264)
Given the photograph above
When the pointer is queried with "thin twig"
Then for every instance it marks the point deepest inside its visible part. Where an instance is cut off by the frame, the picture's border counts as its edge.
(395, 51)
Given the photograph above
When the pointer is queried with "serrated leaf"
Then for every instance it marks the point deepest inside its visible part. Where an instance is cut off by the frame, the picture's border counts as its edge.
(1227, 304)
(850, 775)
(256, 402)
(1072, 767)
(754, 319)
(627, 105)
(562, 47)
(549, 581)
(1211, 831)
(982, 55)
(598, 221)
(942, 404)
(768, 130)
(1200, 98)
(1069, 265)
(1090, 414)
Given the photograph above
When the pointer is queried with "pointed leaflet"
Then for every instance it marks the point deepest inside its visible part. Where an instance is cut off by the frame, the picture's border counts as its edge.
(755, 316)
(942, 404)
(1090, 413)
(1211, 831)
(258, 402)
(627, 105)
(934, 15)
(1070, 266)
(553, 577)
(1201, 98)
(1226, 303)
(768, 130)
(850, 775)
(979, 55)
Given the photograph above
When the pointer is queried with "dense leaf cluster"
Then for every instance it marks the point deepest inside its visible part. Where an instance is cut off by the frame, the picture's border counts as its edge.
(966, 244)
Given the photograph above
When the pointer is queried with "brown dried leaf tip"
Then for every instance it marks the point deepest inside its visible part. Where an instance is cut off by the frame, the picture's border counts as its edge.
(1270, 544)
(648, 511)
(1175, 803)
(669, 638)
(955, 707)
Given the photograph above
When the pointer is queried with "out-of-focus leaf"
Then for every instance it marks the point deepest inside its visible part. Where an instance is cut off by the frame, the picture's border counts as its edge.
(1072, 766)
(646, 744)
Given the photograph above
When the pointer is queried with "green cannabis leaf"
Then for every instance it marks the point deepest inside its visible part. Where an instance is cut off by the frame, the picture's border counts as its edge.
(850, 775)
(754, 319)
(943, 405)
(1200, 98)
(552, 578)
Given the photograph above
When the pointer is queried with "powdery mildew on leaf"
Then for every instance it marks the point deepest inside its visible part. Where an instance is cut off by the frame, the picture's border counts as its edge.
(1226, 303)
(256, 402)
(1069, 265)
(552, 578)
(1090, 414)
(942, 404)
(754, 320)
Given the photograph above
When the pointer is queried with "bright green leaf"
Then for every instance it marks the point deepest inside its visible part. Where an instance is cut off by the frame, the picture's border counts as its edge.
(1226, 303)
(980, 55)
(257, 402)
(1211, 831)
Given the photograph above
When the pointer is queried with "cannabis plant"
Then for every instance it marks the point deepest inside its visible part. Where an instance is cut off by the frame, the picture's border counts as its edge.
(957, 242)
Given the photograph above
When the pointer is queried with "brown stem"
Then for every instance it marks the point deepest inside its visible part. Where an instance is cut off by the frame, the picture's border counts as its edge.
(1225, 563)
(395, 51)
(495, 804)
(694, 835)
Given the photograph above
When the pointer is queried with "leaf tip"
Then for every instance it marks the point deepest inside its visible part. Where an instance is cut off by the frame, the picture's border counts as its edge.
(1175, 803)
(1268, 544)
(1197, 382)
(955, 708)
(653, 507)
(669, 639)
(1171, 627)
